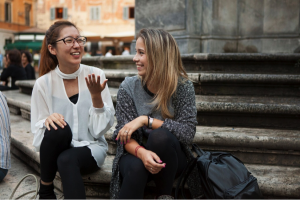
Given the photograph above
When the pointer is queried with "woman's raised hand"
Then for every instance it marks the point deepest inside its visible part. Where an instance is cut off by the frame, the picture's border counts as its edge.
(57, 118)
(151, 161)
(94, 86)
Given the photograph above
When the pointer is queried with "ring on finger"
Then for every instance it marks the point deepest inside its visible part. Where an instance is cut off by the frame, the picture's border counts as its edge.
(126, 131)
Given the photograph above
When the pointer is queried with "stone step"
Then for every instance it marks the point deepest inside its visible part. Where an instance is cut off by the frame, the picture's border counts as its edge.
(284, 85)
(252, 145)
(245, 84)
(217, 62)
(274, 181)
(241, 111)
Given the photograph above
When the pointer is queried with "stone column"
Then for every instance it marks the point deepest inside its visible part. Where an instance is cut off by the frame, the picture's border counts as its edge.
(224, 26)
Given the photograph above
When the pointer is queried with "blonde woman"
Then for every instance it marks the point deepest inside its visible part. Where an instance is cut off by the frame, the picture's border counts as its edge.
(156, 116)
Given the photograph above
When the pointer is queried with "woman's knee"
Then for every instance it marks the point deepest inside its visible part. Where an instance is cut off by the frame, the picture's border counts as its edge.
(61, 134)
(135, 167)
(161, 137)
(65, 159)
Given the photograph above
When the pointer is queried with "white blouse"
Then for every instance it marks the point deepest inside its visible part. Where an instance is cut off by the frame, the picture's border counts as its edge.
(88, 124)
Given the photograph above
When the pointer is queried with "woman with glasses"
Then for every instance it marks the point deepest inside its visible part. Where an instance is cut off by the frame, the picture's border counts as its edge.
(71, 110)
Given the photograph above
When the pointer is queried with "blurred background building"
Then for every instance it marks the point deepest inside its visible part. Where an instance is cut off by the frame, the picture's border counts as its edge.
(16, 16)
(107, 24)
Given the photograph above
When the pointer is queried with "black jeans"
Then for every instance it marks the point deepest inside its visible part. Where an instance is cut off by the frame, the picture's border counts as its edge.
(56, 155)
(135, 175)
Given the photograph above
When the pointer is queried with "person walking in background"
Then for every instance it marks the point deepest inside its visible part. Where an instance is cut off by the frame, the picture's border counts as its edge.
(26, 62)
(156, 114)
(1, 60)
(12, 69)
(109, 53)
(5, 132)
(71, 110)
(126, 52)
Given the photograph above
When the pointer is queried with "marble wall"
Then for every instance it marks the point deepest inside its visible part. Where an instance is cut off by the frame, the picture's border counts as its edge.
(217, 26)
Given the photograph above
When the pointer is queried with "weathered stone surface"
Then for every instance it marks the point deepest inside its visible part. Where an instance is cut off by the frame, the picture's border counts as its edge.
(270, 178)
(249, 78)
(15, 174)
(281, 17)
(237, 104)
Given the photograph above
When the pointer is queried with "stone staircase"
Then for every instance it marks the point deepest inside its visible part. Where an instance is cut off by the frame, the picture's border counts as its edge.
(248, 105)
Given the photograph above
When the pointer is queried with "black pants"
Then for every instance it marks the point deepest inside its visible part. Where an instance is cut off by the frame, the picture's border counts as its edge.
(56, 154)
(135, 175)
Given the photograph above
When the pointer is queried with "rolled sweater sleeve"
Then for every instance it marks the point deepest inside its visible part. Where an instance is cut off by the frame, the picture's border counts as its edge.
(125, 113)
(183, 125)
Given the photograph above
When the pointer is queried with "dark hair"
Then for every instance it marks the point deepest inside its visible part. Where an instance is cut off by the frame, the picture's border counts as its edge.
(14, 57)
(28, 56)
(48, 61)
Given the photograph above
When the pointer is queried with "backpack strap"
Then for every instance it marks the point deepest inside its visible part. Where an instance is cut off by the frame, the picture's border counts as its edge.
(184, 175)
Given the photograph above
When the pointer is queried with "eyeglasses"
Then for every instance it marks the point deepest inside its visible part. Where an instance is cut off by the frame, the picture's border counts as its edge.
(70, 41)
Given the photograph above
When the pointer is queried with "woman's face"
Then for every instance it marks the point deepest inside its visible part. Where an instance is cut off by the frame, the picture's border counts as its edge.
(140, 57)
(67, 55)
(24, 59)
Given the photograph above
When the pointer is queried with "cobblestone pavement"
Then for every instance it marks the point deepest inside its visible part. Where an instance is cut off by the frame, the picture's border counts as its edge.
(18, 170)
(14, 175)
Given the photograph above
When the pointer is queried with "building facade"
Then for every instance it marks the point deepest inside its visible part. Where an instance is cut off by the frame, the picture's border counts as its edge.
(15, 16)
(108, 24)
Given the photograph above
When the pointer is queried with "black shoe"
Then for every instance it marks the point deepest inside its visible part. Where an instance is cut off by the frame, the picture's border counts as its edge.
(46, 191)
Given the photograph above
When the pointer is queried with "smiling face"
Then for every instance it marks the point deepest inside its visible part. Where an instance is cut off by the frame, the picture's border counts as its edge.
(140, 57)
(67, 56)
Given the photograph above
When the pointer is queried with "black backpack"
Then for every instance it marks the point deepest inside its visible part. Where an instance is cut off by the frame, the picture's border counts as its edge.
(222, 176)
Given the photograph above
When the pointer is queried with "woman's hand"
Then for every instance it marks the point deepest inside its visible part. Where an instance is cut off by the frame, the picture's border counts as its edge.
(125, 133)
(57, 118)
(151, 161)
(94, 86)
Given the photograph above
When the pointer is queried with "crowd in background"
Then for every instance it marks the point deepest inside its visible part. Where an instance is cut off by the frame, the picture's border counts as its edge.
(16, 65)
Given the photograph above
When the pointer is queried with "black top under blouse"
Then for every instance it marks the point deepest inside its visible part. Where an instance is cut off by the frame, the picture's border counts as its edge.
(74, 98)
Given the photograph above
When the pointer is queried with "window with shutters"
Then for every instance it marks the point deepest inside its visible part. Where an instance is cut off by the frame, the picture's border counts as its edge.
(27, 14)
(58, 13)
(95, 13)
(7, 8)
(131, 13)
(128, 13)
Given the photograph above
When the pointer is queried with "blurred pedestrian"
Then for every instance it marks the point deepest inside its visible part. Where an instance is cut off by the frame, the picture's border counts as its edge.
(1, 60)
(26, 62)
(109, 53)
(126, 52)
(12, 69)
(4, 138)
(98, 53)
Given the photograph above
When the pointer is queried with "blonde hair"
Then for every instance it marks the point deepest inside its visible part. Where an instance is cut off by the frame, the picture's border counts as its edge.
(164, 67)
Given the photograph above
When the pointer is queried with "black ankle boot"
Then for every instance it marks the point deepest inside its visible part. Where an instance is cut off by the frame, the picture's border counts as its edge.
(46, 191)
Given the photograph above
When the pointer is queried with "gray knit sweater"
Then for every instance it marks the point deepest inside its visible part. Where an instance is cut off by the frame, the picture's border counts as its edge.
(133, 101)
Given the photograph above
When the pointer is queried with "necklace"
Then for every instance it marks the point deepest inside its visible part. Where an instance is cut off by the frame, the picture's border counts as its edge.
(67, 76)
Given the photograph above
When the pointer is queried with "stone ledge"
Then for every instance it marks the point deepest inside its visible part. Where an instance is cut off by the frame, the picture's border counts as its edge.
(242, 57)
(275, 181)
(210, 57)
(211, 104)
(249, 78)
(247, 105)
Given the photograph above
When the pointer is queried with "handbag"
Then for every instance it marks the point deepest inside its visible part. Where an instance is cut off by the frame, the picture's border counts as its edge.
(33, 191)
(223, 176)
